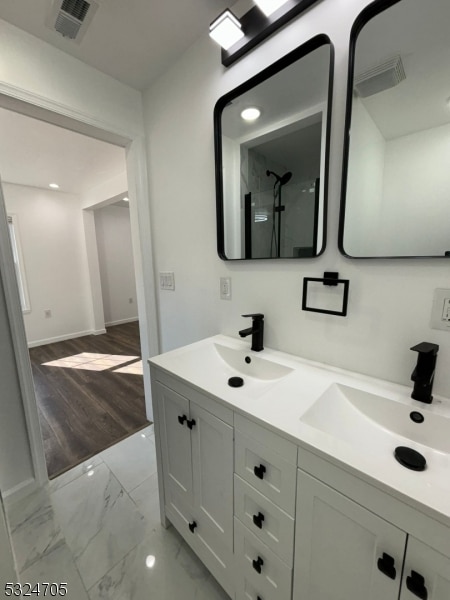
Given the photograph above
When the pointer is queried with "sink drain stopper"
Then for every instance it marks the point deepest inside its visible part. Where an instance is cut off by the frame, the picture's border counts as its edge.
(236, 382)
(410, 459)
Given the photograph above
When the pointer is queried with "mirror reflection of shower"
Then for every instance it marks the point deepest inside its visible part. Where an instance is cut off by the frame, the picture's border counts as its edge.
(282, 221)
(277, 209)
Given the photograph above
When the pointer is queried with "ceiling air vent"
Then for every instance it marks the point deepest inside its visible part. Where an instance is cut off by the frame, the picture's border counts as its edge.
(70, 18)
(382, 77)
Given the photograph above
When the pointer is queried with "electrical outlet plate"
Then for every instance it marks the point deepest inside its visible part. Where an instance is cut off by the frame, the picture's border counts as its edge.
(440, 314)
(225, 288)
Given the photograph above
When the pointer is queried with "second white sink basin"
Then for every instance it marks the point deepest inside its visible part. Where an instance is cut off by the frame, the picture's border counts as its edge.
(367, 420)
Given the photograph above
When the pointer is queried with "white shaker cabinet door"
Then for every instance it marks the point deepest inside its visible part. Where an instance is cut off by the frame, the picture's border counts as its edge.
(175, 444)
(426, 574)
(343, 551)
(212, 458)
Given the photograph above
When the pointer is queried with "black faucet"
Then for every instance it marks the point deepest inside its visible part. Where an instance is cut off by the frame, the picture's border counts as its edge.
(256, 331)
(423, 374)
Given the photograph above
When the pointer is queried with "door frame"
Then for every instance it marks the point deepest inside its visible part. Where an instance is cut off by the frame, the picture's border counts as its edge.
(36, 106)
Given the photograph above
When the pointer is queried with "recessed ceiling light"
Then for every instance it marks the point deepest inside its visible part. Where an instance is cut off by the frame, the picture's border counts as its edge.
(251, 113)
(126, 199)
(270, 6)
(150, 561)
(226, 30)
(54, 186)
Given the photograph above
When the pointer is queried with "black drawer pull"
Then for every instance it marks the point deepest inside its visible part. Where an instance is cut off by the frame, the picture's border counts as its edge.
(192, 526)
(257, 564)
(416, 585)
(182, 419)
(386, 565)
(259, 471)
(190, 423)
(258, 519)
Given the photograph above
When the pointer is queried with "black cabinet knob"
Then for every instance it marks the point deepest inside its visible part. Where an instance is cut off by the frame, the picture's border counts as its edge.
(192, 526)
(386, 565)
(258, 519)
(182, 419)
(416, 585)
(259, 471)
(257, 564)
(190, 423)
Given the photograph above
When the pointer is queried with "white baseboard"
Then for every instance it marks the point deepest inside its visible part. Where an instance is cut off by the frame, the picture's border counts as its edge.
(62, 338)
(121, 321)
(19, 491)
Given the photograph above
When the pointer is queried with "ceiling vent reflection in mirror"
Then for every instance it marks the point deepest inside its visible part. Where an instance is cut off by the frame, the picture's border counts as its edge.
(384, 76)
(71, 18)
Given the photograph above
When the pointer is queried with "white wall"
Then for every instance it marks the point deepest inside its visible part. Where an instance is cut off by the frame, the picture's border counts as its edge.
(417, 184)
(54, 253)
(390, 301)
(365, 180)
(115, 254)
(35, 76)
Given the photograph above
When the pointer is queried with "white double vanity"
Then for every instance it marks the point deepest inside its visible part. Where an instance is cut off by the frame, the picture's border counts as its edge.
(287, 485)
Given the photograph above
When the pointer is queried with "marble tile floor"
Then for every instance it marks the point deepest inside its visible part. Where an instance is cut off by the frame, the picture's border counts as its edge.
(97, 527)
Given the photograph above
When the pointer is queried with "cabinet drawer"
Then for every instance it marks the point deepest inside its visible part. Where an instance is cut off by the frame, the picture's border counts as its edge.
(265, 519)
(259, 567)
(266, 470)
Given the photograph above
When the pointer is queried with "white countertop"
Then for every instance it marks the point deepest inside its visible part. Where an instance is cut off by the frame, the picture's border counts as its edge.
(280, 404)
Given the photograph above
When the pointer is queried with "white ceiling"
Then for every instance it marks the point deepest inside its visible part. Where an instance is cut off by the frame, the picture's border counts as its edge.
(36, 153)
(134, 41)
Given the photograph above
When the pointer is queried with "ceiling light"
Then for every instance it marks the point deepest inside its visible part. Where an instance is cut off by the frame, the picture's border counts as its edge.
(126, 199)
(150, 561)
(226, 30)
(251, 113)
(54, 186)
(269, 6)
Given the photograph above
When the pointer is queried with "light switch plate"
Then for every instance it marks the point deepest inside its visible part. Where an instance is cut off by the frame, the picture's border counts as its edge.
(440, 313)
(167, 280)
(225, 288)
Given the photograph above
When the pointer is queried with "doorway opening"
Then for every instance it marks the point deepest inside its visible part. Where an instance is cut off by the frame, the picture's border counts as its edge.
(83, 337)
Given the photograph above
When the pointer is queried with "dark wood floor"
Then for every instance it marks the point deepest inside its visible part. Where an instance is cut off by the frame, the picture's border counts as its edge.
(83, 412)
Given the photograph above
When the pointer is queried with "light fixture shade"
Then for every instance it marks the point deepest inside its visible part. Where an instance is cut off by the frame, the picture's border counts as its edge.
(226, 30)
(269, 6)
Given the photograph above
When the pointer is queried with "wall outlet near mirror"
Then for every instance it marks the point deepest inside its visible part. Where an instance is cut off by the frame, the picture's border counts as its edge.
(440, 313)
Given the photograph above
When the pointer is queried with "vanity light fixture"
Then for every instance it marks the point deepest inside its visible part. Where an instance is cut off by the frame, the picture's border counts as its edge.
(226, 30)
(256, 25)
(54, 186)
(269, 6)
(251, 113)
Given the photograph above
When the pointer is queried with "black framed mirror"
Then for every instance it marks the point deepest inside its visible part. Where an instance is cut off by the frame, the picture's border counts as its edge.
(272, 171)
(396, 177)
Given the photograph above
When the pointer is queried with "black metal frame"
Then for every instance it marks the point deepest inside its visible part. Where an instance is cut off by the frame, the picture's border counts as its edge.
(309, 46)
(257, 27)
(331, 279)
(371, 11)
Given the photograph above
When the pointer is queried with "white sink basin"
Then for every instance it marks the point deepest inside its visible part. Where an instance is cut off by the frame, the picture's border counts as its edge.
(372, 422)
(210, 364)
(251, 364)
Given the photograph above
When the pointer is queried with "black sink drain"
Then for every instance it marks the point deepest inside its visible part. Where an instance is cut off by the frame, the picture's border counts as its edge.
(410, 459)
(235, 382)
